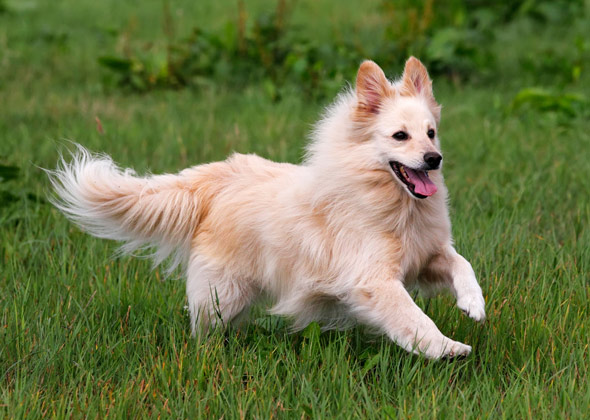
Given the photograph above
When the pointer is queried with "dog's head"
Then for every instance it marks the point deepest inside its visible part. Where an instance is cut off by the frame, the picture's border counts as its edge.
(401, 121)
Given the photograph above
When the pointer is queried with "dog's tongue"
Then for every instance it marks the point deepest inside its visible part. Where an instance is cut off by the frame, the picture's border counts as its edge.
(423, 184)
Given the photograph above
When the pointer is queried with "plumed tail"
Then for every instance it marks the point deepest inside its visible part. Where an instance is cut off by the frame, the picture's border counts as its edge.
(159, 211)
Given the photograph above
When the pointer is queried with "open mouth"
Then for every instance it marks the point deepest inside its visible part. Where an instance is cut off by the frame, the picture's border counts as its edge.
(415, 180)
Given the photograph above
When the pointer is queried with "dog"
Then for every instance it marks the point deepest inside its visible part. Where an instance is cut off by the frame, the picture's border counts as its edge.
(339, 239)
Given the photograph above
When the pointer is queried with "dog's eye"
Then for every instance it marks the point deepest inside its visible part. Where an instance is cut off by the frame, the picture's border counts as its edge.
(400, 135)
(430, 133)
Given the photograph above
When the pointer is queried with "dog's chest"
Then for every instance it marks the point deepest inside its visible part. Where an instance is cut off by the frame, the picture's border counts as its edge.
(420, 241)
(415, 256)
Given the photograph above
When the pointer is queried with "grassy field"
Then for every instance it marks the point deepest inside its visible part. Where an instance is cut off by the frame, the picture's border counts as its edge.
(86, 334)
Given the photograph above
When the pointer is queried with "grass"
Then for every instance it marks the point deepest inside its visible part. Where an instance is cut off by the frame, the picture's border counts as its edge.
(84, 334)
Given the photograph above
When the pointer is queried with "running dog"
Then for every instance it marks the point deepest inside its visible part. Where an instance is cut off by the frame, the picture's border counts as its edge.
(340, 238)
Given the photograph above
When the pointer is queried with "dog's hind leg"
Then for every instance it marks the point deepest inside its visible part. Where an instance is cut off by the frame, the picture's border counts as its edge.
(216, 296)
(450, 270)
(386, 304)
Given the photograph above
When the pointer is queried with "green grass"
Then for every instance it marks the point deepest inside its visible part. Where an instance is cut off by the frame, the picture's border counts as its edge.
(86, 334)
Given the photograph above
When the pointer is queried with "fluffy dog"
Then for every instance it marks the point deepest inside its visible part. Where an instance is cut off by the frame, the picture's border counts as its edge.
(338, 239)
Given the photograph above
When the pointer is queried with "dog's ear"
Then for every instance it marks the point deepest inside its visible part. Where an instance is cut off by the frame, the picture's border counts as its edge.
(415, 81)
(371, 87)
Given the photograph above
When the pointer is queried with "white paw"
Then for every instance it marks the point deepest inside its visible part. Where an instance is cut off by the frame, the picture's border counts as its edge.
(445, 348)
(455, 348)
(473, 305)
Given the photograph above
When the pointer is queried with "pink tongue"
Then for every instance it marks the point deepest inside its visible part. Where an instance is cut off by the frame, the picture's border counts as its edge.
(423, 184)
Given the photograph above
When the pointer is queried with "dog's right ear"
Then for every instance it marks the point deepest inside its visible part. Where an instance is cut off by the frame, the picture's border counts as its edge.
(371, 87)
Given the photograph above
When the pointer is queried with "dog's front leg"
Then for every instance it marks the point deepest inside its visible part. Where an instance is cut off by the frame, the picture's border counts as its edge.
(387, 305)
(465, 287)
(449, 270)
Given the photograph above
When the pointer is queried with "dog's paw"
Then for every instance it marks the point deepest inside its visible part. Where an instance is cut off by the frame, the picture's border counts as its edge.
(456, 349)
(446, 349)
(473, 305)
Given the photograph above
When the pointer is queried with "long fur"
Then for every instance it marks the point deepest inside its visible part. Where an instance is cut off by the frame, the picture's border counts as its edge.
(160, 212)
(337, 239)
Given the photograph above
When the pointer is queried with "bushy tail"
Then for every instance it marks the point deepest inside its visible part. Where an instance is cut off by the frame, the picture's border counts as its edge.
(158, 211)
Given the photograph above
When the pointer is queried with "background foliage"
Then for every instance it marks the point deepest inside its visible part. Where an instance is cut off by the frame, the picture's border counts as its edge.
(168, 84)
(451, 37)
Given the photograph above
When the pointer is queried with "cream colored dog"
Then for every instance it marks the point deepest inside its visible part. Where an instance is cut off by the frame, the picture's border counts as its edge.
(340, 238)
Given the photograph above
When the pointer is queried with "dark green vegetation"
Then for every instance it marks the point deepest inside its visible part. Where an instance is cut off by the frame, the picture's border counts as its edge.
(83, 333)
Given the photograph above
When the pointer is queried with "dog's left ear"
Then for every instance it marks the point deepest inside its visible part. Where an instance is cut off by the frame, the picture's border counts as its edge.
(415, 82)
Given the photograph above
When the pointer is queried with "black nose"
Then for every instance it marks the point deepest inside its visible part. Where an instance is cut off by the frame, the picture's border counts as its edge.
(432, 159)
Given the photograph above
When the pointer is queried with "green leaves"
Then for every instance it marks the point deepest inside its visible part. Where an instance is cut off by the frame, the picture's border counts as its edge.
(269, 53)
(142, 73)
(453, 39)
(544, 100)
(8, 172)
(117, 64)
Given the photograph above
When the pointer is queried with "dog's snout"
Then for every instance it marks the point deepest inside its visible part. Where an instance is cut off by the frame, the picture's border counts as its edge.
(432, 159)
